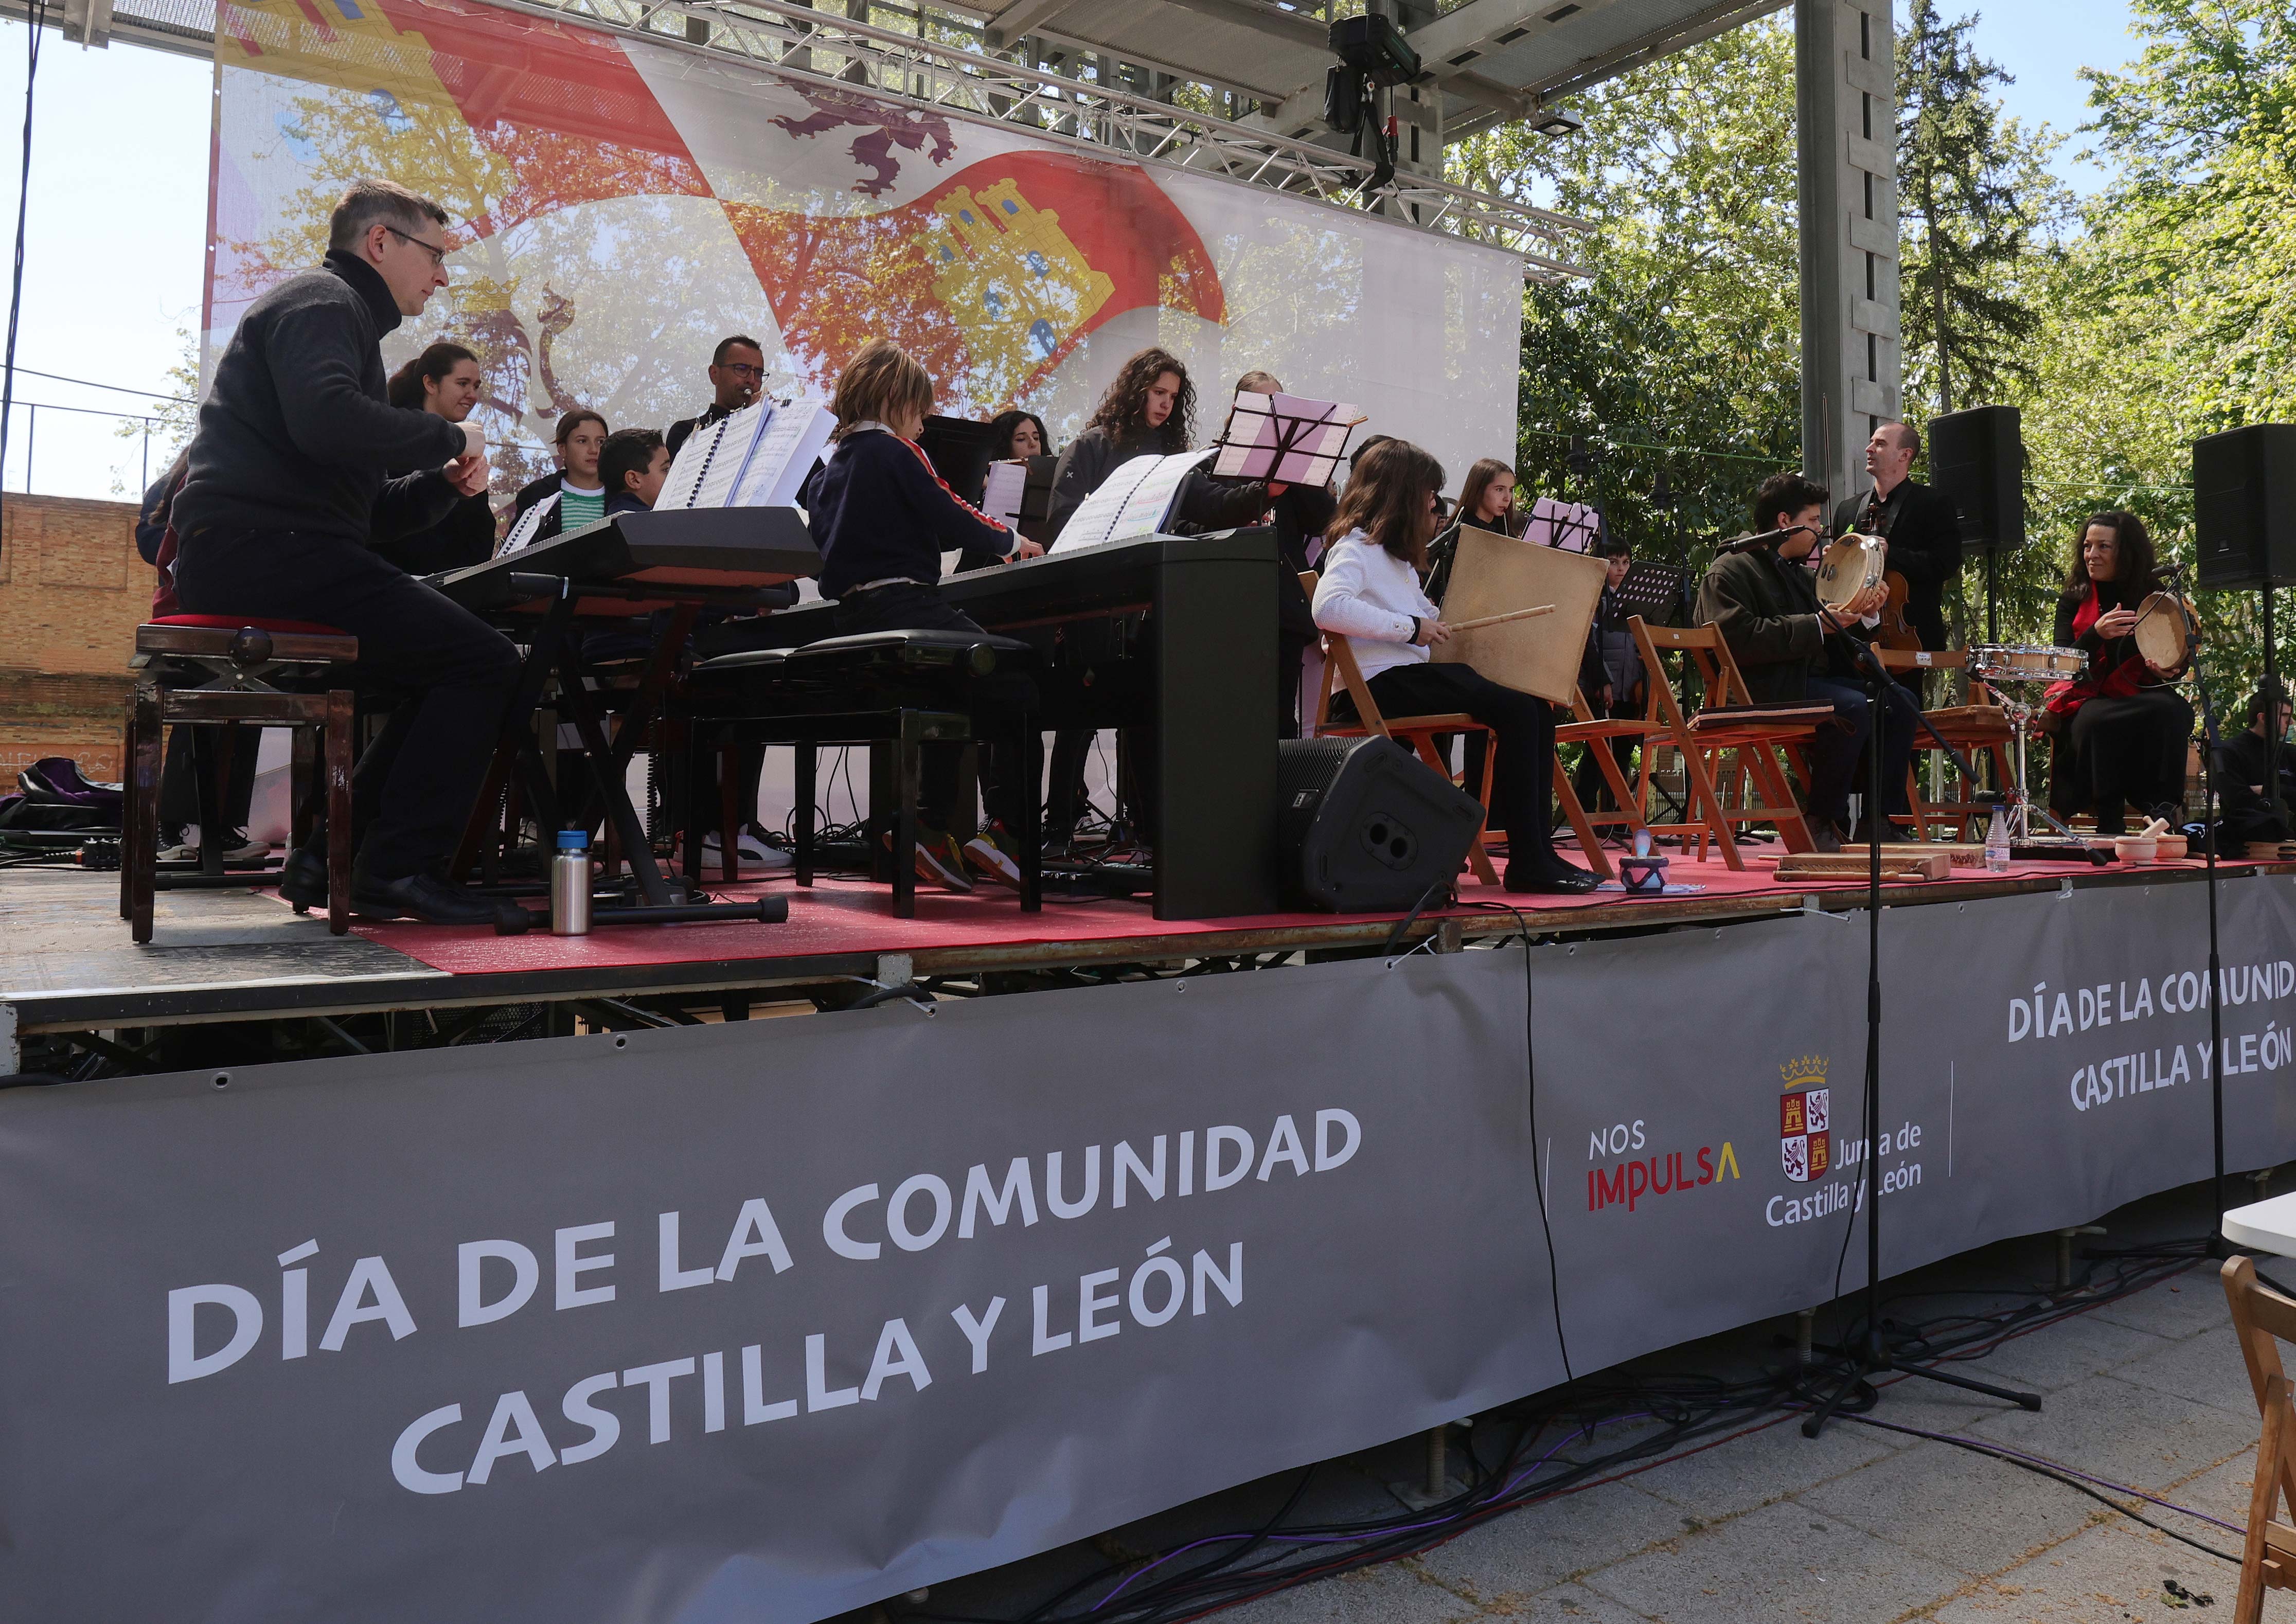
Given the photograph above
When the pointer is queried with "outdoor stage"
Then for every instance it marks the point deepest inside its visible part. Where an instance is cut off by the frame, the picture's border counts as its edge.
(67, 965)
(1132, 1212)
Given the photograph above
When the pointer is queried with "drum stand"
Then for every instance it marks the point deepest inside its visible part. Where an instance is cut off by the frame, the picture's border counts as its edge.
(2020, 803)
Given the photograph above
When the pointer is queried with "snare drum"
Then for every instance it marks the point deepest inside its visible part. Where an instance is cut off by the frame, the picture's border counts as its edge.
(1848, 567)
(2023, 662)
(2163, 634)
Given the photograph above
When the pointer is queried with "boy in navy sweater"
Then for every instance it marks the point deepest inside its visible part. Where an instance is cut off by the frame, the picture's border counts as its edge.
(881, 518)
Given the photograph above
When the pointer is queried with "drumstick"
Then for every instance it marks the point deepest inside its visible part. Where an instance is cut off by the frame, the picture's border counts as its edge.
(1519, 614)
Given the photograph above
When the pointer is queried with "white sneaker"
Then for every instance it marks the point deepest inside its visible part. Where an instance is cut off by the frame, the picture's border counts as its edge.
(749, 852)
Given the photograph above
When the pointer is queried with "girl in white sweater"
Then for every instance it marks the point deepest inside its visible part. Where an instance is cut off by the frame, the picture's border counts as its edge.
(1370, 594)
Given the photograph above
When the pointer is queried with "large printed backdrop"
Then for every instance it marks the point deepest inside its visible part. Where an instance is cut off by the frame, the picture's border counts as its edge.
(620, 206)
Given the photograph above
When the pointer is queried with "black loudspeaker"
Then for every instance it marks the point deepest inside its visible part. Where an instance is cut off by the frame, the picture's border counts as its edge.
(1977, 458)
(1366, 827)
(2244, 506)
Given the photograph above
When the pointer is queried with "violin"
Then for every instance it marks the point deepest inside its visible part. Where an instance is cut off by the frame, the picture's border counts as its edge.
(1894, 632)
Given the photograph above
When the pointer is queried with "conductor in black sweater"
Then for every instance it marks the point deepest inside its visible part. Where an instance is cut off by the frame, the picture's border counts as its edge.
(287, 492)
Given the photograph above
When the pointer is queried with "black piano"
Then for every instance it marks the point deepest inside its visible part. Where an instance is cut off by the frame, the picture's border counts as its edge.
(633, 563)
(1203, 683)
(658, 571)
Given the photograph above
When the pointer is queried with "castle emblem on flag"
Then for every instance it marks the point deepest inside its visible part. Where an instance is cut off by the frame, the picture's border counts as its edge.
(1806, 1119)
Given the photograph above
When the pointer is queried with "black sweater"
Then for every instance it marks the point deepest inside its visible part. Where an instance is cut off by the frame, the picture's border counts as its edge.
(880, 513)
(297, 433)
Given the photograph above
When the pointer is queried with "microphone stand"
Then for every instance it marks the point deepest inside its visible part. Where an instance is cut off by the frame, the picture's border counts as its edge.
(2215, 1245)
(1876, 1354)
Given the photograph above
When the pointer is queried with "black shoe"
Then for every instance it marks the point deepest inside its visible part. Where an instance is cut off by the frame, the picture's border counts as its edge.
(435, 902)
(1893, 834)
(1555, 878)
(303, 878)
(1823, 839)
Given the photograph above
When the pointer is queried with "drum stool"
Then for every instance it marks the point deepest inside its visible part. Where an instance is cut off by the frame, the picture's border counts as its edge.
(235, 655)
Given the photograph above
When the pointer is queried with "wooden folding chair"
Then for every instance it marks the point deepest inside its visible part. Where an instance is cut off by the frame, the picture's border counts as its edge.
(1419, 732)
(1596, 733)
(1705, 738)
(1974, 730)
(2264, 1319)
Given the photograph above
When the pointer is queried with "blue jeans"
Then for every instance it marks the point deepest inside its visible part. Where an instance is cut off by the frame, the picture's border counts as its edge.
(1833, 752)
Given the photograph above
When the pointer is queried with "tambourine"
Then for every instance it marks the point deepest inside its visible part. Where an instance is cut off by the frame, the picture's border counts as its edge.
(2163, 632)
(1848, 567)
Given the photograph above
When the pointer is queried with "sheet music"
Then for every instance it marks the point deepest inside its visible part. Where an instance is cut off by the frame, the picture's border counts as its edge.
(1286, 438)
(1134, 501)
(1008, 484)
(693, 461)
(1570, 526)
(781, 455)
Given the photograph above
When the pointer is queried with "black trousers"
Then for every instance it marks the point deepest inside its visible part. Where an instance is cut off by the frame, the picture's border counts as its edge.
(179, 788)
(2120, 751)
(446, 675)
(996, 701)
(1523, 778)
(1834, 751)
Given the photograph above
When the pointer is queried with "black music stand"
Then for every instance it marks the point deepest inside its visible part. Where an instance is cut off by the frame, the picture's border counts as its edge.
(1284, 439)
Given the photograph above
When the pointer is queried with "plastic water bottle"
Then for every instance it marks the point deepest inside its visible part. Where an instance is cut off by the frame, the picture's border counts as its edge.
(1996, 842)
(570, 884)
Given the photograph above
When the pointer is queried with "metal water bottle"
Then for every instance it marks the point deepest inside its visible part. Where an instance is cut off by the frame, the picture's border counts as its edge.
(570, 884)
(1996, 842)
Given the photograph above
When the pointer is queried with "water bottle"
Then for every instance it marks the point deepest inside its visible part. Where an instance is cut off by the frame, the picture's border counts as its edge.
(1996, 842)
(570, 884)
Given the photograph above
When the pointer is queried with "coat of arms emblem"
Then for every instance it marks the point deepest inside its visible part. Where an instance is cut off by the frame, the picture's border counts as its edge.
(1805, 1120)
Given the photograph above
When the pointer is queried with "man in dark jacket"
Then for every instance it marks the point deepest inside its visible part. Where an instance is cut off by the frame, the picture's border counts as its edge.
(2242, 771)
(737, 371)
(1919, 524)
(287, 490)
(1787, 646)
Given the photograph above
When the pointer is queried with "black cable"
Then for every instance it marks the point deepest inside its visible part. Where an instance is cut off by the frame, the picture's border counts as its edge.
(35, 18)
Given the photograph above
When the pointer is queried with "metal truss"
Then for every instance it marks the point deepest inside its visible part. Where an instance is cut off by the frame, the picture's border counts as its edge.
(798, 43)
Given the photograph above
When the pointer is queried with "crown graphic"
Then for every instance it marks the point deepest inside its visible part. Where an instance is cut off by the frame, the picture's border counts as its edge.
(1804, 1071)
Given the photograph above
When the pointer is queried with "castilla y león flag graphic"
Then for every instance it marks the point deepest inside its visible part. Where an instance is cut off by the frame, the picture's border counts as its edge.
(991, 277)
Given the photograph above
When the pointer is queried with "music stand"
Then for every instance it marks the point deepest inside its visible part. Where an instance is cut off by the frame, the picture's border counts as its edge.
(1285, 438)
(1656, 591)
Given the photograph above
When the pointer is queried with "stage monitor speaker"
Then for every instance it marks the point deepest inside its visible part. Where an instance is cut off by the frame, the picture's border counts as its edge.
(1977, 458)
(2244, 506)
(1367, 826)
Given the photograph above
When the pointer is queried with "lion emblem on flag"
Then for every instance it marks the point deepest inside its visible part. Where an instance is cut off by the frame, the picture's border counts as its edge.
(1806, 1119)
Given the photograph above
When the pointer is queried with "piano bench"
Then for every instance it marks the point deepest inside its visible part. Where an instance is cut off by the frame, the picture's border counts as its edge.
(909, 654)
(234, 656)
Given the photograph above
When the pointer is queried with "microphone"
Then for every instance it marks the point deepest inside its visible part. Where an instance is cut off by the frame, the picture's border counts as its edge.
(1740, 544)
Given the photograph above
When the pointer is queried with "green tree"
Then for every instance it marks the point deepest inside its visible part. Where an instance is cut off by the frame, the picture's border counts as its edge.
(1678, 362)
(1974, 196)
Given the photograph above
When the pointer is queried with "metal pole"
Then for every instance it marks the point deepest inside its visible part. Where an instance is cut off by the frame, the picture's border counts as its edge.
(31, 435)
(147, 453)
(2273, 805)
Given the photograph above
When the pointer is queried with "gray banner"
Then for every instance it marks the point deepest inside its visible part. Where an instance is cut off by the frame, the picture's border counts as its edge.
(769, 1320)
(754, 1321)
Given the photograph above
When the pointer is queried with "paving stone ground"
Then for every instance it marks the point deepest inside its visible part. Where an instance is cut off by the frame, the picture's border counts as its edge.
(1862, 1526)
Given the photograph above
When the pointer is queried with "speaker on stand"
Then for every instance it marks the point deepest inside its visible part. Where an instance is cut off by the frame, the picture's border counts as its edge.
(1977, 459)
(1366, 827)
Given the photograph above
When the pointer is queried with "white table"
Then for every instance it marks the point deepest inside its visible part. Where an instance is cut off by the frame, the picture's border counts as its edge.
(2267, 1225)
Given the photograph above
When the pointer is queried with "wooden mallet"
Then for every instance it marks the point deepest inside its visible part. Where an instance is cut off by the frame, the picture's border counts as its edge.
(1518, 614)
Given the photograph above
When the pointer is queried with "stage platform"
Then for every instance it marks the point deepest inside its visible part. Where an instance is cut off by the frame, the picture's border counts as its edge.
(66, 965)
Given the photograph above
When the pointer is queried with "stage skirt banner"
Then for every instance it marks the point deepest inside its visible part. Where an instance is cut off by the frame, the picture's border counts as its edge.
(772, 1320)
(621, 205)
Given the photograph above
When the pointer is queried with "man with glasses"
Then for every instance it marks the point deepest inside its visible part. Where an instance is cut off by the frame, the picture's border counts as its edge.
(737, 372)
(288, 488)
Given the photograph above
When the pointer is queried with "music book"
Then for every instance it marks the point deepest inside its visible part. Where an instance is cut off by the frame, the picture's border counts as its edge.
(1133, 502)
(1007, 487)
(1284, 438)
(756, 457)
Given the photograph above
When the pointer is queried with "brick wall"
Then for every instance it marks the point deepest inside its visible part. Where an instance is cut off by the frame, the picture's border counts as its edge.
(72, 592)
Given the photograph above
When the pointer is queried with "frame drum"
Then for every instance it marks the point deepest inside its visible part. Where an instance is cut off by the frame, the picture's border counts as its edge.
(2163, 634)
(1493, 575)
(1849, 566)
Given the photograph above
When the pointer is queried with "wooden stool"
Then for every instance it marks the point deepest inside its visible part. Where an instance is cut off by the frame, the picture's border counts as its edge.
(236, 655)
